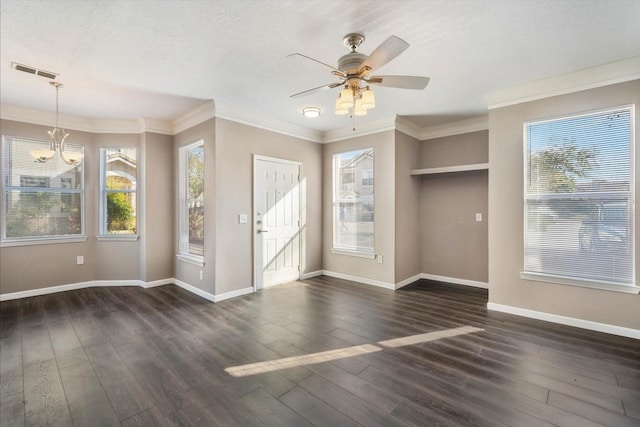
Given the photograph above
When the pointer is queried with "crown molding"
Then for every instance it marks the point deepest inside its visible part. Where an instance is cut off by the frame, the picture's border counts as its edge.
(239, 115)
(83, 124)
(455, 128)
(194, 117)
(589, 78)
(408, 127)
(363, 129)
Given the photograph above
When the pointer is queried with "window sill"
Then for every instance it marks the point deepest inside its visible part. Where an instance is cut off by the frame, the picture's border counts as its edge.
(191, 259)
(353, 253)
(42, 241)
(117, 238)
(582, 283)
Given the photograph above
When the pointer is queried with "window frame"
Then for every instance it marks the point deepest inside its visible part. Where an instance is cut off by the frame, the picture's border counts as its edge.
(183, 253)
(632, 287)
(5, 189)
(368, 253)
(103, 233)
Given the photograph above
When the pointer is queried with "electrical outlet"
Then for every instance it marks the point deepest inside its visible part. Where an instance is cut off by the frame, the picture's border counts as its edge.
(80, 260)
(243, 219)
(379, 259)
(479, 217)
(201, 275)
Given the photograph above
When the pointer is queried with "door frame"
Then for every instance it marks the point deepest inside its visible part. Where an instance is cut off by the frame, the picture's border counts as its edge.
(257, 263)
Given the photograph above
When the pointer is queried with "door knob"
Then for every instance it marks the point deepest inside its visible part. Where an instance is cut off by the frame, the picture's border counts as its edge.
(263, 231)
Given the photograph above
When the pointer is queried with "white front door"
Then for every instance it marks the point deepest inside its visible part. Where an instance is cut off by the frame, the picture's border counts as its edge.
(276, 221)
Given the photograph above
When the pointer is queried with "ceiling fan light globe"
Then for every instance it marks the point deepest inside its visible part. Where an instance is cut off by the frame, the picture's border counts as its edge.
(346, 98)
(339, 110)
(368, 99)
(359, 109)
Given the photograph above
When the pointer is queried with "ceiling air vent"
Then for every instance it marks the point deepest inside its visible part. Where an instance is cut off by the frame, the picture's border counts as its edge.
(35, 71)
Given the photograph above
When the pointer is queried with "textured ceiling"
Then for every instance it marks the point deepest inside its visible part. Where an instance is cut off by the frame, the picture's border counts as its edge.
(160, 59)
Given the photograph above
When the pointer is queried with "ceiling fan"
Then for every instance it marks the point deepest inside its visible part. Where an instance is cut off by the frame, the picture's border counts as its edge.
(353, 73)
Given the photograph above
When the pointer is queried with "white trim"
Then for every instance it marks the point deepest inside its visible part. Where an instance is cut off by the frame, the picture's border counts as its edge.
(408, 127)
(311, 274)
(582, 283)
(449, 169)
(42, 241)
(455, 280)
(257, 120)
(117, 237)
(194, 117)
(363, 280)
(83, 285)
(191, 259)
(563, 320)
(589, 78)
(113, 283)
(161, 282)
(365, 255)
(234, 294)
(204, 294)
(408, 281)
(459, 127)
(362, 129)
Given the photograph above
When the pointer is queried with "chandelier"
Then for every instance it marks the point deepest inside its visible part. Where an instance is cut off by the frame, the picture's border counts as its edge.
(354, 96)
(56, 137)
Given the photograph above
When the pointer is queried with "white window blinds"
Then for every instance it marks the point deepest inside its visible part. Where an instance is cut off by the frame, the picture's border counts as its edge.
(578, 192)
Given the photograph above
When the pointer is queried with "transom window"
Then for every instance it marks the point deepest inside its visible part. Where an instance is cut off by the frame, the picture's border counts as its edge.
(579, 215)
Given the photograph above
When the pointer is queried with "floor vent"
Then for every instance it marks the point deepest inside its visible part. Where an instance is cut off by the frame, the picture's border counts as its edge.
(35, 71)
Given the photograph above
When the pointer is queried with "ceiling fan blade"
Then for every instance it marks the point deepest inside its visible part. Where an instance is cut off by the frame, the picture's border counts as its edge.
(315, 89)
(402, 82)
(389, 49)
(315, 60)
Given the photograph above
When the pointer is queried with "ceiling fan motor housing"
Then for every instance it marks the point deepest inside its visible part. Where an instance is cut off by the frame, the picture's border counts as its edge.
(351, 62)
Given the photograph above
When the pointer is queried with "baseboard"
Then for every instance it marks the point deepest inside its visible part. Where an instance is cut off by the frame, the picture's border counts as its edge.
(408, 281)
(233, 294)
(311, 274)
(358, 279)
(187, 287)
(563, 320)
(161, 282)
(455, 281)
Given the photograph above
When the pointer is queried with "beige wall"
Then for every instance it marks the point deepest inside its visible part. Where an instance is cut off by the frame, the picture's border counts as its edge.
(157, 243)
(235, 145)
(184, 271)
(453, 243)
(463, 149)
(384, 209)
(24, 268)
(407, 206)
(506, 209)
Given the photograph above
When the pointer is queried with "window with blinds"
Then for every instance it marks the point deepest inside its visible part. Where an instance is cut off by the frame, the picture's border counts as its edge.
(579, 206)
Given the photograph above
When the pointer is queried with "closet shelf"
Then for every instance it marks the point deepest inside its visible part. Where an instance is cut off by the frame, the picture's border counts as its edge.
(449, 169)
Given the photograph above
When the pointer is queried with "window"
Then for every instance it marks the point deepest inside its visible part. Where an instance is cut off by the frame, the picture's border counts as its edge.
(353, 202)
(191, 196)
(367, 177)
(579, 199)
(118, 172)
(41, 200)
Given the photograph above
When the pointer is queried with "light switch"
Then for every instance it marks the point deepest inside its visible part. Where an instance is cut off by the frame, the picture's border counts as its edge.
(243, 219)
(479, 217)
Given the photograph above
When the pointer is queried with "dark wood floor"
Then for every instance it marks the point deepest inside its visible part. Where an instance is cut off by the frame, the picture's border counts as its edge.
(156, 357)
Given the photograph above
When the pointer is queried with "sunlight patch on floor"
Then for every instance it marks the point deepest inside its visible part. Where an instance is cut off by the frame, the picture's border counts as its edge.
(343, 353)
